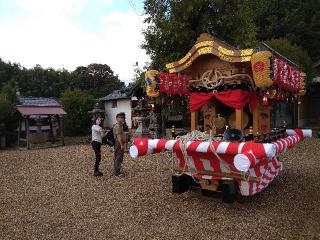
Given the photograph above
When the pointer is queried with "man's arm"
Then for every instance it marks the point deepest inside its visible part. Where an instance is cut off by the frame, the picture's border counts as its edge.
(119, 138)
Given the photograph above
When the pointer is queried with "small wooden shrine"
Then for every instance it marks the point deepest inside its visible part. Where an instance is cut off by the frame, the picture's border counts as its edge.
(40, 121)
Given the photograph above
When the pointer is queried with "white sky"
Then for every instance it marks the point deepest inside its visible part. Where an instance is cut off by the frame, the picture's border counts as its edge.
(71, 33)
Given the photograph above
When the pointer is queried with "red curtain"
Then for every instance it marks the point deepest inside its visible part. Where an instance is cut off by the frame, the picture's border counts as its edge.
(233, 98)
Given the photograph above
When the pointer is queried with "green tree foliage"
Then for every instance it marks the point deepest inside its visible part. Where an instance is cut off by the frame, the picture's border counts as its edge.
(7, 110)
(97, 79)
(76, 103)
(293, 52)
(8, 118)
(77, 90)
(175, 24)
(295, 20)
(8, 92)
(296, 54)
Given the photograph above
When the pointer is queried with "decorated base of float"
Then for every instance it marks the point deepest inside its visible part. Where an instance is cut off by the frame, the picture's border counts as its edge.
(251, 166)
(237, 154)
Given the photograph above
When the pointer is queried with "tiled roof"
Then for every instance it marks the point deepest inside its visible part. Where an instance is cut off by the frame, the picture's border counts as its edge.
(38, 101)
(123, 93)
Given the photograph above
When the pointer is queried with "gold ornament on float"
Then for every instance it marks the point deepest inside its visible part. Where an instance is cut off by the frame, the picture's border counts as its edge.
(151, 83)
(261, 69)
(244, 121)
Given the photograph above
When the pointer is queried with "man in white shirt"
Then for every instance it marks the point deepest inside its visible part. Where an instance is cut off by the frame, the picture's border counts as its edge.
(97, 134)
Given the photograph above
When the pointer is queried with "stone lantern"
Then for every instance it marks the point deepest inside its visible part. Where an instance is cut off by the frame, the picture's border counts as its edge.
(96, 112)
(140, 112)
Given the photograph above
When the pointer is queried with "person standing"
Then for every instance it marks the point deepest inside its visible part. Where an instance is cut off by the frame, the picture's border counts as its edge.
(97, 134)
(119, 145)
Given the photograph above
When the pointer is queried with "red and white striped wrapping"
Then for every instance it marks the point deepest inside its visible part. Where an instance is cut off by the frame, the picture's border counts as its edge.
(254, 159)
(283, 144)
(145, 146)
(300, 132)
(244, 161)
(267, 171)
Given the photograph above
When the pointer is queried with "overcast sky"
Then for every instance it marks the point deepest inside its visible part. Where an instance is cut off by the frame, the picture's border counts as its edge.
(71, 33)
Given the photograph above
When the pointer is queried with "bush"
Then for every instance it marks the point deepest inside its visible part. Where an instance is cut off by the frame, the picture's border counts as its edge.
(8, 121)
(77, 104)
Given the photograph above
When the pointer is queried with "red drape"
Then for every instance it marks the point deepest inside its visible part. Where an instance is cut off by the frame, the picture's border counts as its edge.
(236, 98)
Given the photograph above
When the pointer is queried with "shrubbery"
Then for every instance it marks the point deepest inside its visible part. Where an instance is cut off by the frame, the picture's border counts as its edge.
(76, 103)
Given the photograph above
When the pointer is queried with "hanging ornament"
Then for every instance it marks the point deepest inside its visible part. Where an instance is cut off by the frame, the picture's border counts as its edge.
(267, 94)
(299, 101)
(273, 94)
(265, 101)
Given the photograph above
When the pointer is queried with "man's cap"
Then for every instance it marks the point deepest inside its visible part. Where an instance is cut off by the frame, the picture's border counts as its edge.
(121, 114)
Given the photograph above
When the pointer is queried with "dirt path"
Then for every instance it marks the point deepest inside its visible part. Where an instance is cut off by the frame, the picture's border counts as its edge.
(51, 194)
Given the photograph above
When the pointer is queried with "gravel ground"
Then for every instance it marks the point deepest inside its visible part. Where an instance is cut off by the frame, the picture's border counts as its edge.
(52, 194)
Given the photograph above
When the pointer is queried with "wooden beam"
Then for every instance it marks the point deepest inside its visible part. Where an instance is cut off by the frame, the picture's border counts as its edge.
(209, 118)
(163, 120)
(27, 132)
(61, 130)
(234, 175)
(264, 119)
(51, 127)
(255, 120)
(194, 121)
(19, 132)
(239, 118)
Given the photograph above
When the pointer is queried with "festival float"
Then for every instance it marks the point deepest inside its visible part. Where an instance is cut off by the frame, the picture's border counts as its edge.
(233, 90)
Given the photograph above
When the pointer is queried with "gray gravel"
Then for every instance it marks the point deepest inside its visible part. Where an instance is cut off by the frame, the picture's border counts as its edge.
(51, 194)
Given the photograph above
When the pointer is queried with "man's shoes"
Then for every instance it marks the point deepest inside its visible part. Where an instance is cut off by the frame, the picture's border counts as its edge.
(97, 173)
(120, 175)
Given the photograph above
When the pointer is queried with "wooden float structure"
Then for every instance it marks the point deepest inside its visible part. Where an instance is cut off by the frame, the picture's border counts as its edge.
(231, 88)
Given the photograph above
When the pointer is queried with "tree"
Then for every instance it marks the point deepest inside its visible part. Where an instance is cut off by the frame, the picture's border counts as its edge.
(295, 20)
(76, 103)
(295, 53)
(98, 79)
(292, 51)
(175, 25)
(8, 92)
(8, 119)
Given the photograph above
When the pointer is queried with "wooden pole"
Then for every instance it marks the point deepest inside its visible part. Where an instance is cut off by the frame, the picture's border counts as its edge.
(255, 120)
(163, 119)
(27, 132)
(61, 130)
(194, 121)
(51, 128)
(19, 132)
(239, 118)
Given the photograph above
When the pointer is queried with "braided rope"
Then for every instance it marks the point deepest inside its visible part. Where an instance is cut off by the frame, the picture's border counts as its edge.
(199, 136)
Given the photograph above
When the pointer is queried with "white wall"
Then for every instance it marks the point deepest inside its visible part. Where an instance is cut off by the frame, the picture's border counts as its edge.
(123, 105)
